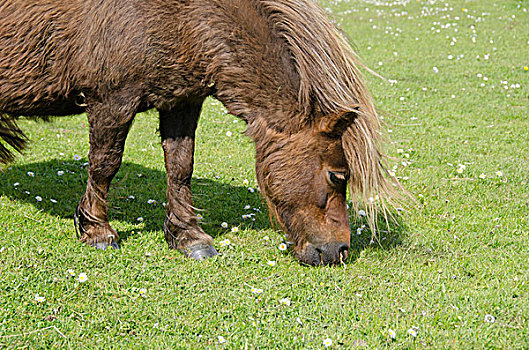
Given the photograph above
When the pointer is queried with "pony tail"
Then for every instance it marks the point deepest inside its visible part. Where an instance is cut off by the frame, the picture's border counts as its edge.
(10, 134)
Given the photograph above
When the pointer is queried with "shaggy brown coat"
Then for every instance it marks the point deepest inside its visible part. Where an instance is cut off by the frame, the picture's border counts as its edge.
(277, 64)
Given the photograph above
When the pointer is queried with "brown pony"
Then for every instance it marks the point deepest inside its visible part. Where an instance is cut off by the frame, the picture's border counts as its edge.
(277, 64)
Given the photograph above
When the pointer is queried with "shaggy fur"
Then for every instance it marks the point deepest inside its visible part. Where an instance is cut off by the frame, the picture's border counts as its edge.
(277, 64)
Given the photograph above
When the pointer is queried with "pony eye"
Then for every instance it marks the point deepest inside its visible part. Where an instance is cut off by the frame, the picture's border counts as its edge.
(337, 177)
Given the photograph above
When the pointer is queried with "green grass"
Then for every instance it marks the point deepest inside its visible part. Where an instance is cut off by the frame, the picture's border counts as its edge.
(460, 254)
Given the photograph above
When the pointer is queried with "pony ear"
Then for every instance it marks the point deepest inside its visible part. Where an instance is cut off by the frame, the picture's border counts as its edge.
(336, 124)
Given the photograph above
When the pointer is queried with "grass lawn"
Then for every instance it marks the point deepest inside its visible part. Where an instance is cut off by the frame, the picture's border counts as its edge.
(454, 274)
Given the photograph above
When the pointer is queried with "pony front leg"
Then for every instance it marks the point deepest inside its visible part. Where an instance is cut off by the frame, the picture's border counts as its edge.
(177, 129)
(108, 132)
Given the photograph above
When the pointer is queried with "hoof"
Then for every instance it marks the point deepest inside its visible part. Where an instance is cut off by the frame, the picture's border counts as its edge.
(200, 252)
(104, 245)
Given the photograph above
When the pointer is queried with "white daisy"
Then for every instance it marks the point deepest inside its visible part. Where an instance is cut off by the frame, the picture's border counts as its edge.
(490, 319)
(285, 301)
(327, 342)
(392, 334)
(82, 277)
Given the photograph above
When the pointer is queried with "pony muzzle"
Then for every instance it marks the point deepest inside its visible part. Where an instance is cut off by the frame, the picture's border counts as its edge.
(331, 253)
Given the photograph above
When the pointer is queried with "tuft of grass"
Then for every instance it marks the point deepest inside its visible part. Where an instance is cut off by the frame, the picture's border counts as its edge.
(457, 256)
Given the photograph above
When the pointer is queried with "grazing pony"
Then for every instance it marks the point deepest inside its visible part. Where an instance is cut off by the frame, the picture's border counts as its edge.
(279, 65)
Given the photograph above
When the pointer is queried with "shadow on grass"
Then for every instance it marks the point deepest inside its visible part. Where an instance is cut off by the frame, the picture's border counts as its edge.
(56, 186)
(390, 234)
(60, 184)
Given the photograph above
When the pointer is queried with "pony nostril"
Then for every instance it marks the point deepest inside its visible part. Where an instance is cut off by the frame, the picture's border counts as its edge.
(343, 247)
(343, 251)
(319, 250)
(330, 253)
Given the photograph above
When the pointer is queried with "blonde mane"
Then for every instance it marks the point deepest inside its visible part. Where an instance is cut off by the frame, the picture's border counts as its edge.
(332, 84)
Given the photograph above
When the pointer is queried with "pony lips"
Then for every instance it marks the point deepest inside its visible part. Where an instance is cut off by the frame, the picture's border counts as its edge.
(279, 65)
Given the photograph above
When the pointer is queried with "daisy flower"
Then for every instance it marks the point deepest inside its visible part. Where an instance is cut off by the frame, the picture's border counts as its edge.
(271, 263)
(60, 173)
(413, 331)
(76, 157)
(285, 301)
(235, 229)
(38, 198)
(225, 243)
(143, 291)
(151, 201)
(139, 219)
(31, 174)
(482, 176)
(221, 339)
(499, 173)
(327, 342)
(392, 334)
(256, 290)
(39, 299)
(83, 277)
(490, 319)
(71, 272)
(282, 246)
(224, 225)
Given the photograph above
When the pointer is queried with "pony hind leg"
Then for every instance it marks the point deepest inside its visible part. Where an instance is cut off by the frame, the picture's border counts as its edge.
(177, 130)
(109, 127)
